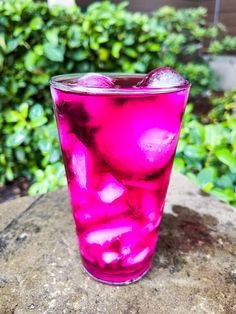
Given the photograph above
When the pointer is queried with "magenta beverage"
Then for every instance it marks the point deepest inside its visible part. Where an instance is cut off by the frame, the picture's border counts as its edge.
(118, 136)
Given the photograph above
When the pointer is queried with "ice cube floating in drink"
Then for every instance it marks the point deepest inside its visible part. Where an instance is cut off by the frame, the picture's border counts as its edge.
(118, 135)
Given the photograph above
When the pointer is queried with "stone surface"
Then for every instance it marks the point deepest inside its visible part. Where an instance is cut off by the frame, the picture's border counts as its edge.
(9, 211)
(194, 269)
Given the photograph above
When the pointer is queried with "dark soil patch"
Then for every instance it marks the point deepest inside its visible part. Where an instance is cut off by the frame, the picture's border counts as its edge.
(18, 187)
(202, 105)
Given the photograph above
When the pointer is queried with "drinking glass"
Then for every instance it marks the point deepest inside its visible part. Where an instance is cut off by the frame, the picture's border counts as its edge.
(118, 146)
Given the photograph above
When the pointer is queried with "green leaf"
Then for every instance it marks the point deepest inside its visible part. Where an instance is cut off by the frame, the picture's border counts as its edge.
(207, 175)
(9, 174)
(44, 145)
(62, 181)
(225, 156)
(225, 181)
(37, 122)
(52, 36)
(60, 171)
(208, 187)
(140, 67)
(54, 155)
(179, 164)
(39, 174)
(155, 47)
(116, 49)
(3, 42)
(36, 111)
(129, 40)
(79, 55)
(213, 135)
(181, 145)
(103, 54)
(36, 23)
(196, 131)
(94, 44)
(20, 154)
(195, 152)
(38, 49)
(54, 53)
(12, 116)
(12, 44)
(39, 188)
(43, 78)
(30, 61)
(224, 195)
(1, 61)
(17, 139)
(24, 108)
(131, 52)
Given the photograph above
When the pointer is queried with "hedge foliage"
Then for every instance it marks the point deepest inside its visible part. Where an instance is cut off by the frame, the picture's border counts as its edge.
(206, 151)
(37, 42)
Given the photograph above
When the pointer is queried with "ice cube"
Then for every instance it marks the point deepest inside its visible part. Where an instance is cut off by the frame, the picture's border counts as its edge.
(80, 171)
(139, 139)
(78, 194)
(158, 146)
(162, 77)
(111, 189)
(90, 109)
(96, 211)
(96, 254)
(151, 209)
(110, 257)
(143, 234)
(136, 257)
(135, 238)
(148, 207)
(105, 234)
(100, 109)
(81, 164)
(66, 137)
(95, 80)
(137, 247)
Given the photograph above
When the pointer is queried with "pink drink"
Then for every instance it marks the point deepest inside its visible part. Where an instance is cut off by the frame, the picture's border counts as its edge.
(118, 146)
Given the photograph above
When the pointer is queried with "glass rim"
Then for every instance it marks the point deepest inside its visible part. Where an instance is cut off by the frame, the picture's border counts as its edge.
(55, 82)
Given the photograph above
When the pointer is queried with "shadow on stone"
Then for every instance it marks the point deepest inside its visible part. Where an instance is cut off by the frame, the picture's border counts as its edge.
(181, 232)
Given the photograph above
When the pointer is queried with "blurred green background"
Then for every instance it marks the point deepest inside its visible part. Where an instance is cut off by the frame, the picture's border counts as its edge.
(37, 42)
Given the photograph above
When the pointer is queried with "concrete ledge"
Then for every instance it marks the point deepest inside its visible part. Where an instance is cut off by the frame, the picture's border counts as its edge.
(193, 272)
(224, 67)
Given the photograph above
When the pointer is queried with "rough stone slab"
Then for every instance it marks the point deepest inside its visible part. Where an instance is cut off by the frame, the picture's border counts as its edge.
(194, 269)
(12, 209)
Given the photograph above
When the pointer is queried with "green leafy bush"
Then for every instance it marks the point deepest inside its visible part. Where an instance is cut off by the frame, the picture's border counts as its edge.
(207, 153)
(37, 42)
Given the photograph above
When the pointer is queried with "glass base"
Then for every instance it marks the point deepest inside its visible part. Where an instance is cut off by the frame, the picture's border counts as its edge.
(115, 279)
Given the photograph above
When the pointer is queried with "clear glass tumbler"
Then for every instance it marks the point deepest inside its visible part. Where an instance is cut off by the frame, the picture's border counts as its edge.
(118, 146)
